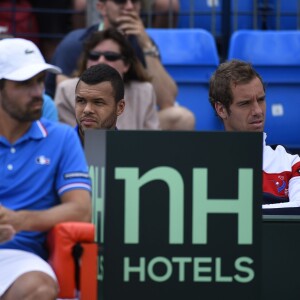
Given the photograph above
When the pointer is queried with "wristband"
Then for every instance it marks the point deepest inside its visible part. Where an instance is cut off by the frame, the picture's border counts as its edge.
(153, 52)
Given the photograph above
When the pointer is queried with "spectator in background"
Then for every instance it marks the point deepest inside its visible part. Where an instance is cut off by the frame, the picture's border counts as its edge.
(163, 13)
(44, 174)
(160, 13)
(79, 19)
(237, 94)
(112, 48)
(99, 99)
(17, 19)
(124, 16)
(55, 20)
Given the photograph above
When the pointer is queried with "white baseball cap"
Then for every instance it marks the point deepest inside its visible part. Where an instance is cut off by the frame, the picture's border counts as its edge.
(21, 59)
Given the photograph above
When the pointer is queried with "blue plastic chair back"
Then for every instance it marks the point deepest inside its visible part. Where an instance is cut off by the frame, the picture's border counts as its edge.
(190, 57)
(207, 14)
(273, 48)
(200, 14)
(276, 57)
(284, 15)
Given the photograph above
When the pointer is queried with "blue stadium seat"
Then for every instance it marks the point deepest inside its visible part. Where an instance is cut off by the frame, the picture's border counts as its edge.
(284, 15)
(190, 56)
(200, 14)
(207, 14)
(276, 57)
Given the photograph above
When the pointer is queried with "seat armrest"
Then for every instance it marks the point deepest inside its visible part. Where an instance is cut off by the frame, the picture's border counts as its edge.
(61, 240)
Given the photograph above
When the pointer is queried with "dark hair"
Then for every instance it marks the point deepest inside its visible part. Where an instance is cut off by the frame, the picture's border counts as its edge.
(233, 72)
(104, 73)
(136, 70)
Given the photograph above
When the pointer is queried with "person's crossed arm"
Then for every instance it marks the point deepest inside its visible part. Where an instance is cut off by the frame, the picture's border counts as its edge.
(75, 206)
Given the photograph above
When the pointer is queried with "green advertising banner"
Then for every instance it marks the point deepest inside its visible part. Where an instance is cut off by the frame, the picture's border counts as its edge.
(178, 214)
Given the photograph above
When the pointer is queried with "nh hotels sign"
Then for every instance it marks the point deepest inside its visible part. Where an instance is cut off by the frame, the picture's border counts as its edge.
(178, 214)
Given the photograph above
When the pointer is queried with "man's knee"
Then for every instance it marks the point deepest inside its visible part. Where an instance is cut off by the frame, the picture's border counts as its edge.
(176, 118)
(32, 285)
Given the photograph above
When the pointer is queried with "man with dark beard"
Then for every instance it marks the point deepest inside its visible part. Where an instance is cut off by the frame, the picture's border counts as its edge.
(43, 171)
(99, 99)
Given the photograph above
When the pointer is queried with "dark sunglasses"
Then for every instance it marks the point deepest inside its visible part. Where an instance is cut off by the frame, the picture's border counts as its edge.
(110, 56)
(124, 1)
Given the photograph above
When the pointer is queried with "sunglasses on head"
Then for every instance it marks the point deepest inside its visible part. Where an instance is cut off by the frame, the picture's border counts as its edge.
(110, 56)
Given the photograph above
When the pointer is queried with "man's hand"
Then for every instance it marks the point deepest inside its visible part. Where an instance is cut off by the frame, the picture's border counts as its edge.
(7, 232)
(130, 23)
(9, 217)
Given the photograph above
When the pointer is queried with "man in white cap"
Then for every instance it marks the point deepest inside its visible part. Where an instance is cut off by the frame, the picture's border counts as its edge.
(43, 171)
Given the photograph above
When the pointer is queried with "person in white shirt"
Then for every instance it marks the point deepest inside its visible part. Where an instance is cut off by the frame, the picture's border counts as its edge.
(237, 94)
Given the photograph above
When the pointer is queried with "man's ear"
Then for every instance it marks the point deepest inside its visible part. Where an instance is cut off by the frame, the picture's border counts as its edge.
(120, 107)
(221, 110)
